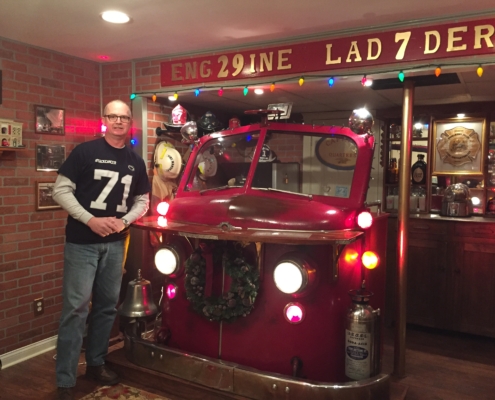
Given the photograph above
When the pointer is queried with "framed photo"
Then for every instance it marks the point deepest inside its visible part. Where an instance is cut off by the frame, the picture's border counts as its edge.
(458, 146)
(50, 120)
(44, 199)
(49, 157)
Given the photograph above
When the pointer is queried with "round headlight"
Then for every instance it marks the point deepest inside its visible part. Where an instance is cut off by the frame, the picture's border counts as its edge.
(288, 277)
(167, 260)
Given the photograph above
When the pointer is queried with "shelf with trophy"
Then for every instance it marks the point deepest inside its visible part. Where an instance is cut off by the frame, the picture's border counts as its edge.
(452, 171)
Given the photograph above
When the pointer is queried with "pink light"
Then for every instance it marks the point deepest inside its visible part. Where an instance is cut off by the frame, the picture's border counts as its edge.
(171, 291)
(294, 313)
(103, 57)
(162, 208)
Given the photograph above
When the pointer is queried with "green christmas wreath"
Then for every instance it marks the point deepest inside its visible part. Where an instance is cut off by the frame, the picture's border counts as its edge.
(238, 300)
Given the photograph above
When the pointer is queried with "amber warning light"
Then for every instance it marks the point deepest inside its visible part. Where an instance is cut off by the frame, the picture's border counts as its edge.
(370, 259)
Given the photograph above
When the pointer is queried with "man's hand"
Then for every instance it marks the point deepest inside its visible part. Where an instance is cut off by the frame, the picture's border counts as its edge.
(105, 226)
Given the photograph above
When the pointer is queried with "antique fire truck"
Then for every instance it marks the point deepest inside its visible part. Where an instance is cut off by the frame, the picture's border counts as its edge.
(270, 255)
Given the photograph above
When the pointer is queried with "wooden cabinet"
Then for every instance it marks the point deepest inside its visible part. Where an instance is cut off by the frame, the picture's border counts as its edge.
(450, 274)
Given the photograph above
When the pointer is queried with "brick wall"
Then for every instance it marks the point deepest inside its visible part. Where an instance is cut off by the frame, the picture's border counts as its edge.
(31, 242)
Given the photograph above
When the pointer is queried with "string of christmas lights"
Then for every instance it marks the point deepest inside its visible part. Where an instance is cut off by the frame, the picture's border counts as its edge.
(365, 81)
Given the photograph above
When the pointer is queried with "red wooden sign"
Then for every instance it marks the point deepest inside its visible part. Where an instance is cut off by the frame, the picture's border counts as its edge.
(420, 44)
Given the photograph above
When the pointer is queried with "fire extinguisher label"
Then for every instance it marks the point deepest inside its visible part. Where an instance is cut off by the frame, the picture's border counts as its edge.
(357, 357)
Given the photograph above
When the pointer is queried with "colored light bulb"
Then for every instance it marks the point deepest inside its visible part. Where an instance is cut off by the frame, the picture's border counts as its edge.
(331, 81)
(176, 96)
(479, 71)
(132, 96)
(438, 71)
(220, 92)
(301, 81)
(196, 92)
(363, 80)
(153, 97)
(272, 87)
(401, 76)
(245, 91)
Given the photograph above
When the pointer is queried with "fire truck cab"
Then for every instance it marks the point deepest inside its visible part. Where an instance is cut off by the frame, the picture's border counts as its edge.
(264, 249)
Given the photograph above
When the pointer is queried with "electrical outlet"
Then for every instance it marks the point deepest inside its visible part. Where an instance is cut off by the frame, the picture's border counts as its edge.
(38, 306)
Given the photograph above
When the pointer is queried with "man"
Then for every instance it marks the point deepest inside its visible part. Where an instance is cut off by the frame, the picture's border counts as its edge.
(104, 186)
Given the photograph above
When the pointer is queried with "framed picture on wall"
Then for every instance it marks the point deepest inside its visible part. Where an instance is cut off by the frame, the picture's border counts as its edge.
(50, 120)
(458, 146)
(44, 198)
(49, 157)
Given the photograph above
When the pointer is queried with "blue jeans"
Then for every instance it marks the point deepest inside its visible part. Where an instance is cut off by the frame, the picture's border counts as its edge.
(92, 272)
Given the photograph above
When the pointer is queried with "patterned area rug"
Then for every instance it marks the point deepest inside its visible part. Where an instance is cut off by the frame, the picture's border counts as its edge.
(122, 392)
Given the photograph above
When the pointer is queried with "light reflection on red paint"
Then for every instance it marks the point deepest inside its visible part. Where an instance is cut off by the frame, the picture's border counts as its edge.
(162, 221)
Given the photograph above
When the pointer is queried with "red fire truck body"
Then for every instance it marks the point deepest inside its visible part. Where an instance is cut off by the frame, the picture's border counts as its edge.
(266, 237)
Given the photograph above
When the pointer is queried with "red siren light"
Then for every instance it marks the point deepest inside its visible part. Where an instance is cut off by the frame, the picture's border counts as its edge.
(364, 220)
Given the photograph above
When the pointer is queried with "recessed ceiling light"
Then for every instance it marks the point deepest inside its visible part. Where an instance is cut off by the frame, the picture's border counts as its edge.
(102, 57)
(115, 17)
(258, 91)
(461, 115)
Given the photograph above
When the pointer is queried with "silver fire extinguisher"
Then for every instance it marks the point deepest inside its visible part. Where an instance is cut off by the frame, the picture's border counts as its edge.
(362, 337)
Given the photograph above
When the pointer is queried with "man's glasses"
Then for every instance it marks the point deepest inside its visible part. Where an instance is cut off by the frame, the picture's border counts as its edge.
(114, 118)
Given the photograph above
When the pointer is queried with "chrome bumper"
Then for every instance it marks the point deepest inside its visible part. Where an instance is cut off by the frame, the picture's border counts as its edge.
(248, 382)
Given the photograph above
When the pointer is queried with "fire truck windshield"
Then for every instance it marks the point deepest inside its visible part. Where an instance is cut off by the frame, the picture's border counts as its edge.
(307, 164)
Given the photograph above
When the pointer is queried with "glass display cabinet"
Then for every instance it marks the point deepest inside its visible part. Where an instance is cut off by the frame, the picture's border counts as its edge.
(445, 151)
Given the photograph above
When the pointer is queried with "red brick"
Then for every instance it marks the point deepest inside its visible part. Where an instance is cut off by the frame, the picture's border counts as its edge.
(22, 77)
(7, 322)
(43, 251)
(7, 343)
(30, 334)
(28, 227)
(14, 219)
(12, 275)
(40, 53)
(16, 237)
(29, 245)
(14, 66)
(6, 54)
(41, 286)
(29, 281)
(53, 241)
(16, 329)
(17, 310)
(15, 182)
(33, 262)
(20, 255)
(40, 90)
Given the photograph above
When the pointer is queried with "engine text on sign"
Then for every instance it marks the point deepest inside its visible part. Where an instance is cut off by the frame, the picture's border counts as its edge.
(472, 38)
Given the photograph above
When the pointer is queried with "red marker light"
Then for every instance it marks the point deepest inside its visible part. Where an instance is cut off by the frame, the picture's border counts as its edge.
(364, 220)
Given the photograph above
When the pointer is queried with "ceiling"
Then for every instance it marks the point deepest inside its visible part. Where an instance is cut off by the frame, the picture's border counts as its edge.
(177, 27)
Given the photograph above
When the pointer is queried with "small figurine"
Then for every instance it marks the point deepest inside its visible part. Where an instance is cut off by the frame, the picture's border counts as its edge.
(5, 142)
